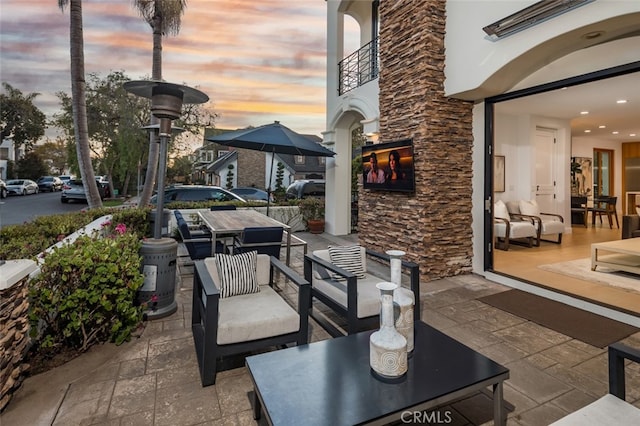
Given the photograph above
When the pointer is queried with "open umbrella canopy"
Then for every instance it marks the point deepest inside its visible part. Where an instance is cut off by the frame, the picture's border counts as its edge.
(274, 138)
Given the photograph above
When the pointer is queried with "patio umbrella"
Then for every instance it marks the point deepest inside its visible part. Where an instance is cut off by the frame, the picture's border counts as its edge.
(274, 138)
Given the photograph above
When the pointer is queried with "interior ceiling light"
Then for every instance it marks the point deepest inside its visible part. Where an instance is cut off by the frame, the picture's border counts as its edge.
(602, 127)
(632, 134)
(587, 131)
(614, 133)
(584, 112)
(530, 16)
(621, 101)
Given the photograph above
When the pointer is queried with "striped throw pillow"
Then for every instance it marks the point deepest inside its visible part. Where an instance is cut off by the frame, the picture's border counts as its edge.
(237, 273)
(348, 258)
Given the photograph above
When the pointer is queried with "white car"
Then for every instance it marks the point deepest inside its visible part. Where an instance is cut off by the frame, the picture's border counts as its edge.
(21, 187)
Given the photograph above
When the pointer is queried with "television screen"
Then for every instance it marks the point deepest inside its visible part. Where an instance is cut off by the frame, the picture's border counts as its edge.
(389, 166)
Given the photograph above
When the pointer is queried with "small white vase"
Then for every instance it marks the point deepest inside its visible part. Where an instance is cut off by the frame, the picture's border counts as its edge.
(403, 301)
(387, 347)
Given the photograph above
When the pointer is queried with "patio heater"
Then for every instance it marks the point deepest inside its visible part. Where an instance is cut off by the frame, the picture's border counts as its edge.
(155, 130)
(159, 254)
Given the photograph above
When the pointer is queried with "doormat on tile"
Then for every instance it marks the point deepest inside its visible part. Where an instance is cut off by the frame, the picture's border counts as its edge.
(590, 328)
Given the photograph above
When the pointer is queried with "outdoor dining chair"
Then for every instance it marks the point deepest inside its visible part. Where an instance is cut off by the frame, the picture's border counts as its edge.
(265, 240)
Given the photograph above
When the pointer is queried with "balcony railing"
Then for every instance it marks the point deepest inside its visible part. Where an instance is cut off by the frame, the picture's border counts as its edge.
(358, 68)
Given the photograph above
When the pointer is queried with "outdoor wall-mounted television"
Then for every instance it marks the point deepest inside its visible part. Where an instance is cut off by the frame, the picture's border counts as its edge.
(389, 166)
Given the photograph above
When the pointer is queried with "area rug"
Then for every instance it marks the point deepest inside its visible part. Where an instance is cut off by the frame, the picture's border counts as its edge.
(590, 328)
(581, 269)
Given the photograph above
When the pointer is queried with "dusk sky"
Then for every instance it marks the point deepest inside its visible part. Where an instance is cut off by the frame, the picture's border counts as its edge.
(258, 61)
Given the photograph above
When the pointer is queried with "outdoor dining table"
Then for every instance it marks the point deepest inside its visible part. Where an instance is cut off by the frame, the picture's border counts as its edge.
(235, 221)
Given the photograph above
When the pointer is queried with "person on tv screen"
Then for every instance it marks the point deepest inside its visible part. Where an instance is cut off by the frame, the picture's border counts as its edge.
(395, 174)
(375, 174)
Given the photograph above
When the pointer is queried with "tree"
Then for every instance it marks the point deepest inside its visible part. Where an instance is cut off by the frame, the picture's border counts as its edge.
(280, 192)
(164, 17)
(55, 153)
(31, 166)
(21, 121)
(180, 169)
(117, 142)
(230, 176)
(81, 132)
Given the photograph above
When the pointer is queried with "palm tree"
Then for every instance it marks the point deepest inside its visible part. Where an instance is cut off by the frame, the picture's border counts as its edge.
(78, 90)
(164, 17)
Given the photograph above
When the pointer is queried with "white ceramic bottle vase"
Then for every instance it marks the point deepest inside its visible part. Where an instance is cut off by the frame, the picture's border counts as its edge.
(402, 299)
(387, 347)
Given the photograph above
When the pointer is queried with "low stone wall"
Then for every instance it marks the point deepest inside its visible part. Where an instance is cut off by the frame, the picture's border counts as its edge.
(14, 326)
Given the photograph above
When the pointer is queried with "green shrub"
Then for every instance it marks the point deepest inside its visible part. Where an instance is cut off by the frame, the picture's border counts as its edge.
(26, 241)
(85, 293)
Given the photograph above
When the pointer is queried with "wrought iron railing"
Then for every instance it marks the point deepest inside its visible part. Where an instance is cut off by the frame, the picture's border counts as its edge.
(358, 68)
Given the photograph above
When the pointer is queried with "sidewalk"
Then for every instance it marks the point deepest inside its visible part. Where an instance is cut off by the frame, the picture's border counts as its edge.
(154, 380)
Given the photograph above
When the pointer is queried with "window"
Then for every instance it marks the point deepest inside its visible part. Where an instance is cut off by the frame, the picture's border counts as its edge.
(322, 160)
(4, 153)
(299, 159)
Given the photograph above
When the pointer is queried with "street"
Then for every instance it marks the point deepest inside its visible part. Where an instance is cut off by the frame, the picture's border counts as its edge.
(17, 209)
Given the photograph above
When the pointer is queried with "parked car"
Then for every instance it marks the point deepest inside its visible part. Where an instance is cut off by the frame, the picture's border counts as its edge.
(103, 186)
(305, 188)
(21, 187)
(66, 178)
(73, 190)
(250, 193)
(197, 193)
(50, 183)
(3, 189)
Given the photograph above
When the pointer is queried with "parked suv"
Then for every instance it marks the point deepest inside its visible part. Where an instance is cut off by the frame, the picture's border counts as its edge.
(305, 188)
(197, 193)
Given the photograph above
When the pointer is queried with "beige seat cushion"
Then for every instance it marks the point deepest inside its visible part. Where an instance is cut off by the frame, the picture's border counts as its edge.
(608, 410)
(255, 316)
(516, 230)
(368, 294)
(244, 318)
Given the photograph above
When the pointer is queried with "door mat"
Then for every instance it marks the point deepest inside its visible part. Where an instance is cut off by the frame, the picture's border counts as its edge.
(588, 327)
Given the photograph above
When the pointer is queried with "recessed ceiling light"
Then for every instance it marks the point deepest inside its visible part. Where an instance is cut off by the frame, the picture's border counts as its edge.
(614, 133)
(584, 112)
(621, 101)
(602, 127)
(632, 134)
(587, 131)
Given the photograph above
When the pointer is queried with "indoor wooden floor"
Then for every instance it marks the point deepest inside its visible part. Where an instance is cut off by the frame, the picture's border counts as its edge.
(522, 262)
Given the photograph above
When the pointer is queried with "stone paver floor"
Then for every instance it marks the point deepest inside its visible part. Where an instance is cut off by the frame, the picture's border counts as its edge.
(154, 380)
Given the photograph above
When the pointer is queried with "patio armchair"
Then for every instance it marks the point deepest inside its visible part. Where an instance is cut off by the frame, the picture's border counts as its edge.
(224, 323)
(611, 409)
(353, 296)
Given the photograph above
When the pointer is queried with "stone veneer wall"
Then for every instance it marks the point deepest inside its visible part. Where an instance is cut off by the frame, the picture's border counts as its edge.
(433, 225)
(14, 339)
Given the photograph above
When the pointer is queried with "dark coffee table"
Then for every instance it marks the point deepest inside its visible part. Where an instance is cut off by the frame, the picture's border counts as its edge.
(330, 382)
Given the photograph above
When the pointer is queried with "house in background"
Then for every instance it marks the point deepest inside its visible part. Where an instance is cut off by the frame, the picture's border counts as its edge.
(8, 153)
(440, 73)
(216, 164)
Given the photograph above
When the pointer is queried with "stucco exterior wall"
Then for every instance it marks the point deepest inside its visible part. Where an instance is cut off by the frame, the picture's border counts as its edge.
(433, 225)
